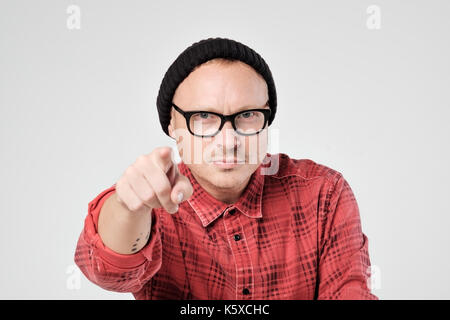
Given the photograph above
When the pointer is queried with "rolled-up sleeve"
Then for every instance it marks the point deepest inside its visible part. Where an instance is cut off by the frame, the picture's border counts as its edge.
(109, 269)
(344, 264)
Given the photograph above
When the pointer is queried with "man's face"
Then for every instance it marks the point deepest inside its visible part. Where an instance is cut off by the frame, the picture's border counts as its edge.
(226, 88)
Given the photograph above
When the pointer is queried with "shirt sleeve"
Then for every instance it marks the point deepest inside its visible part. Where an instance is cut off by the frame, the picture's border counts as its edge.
(108, 269)
(344, 264)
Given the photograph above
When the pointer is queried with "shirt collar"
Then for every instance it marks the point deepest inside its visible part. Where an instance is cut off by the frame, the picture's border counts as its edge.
(209, 208)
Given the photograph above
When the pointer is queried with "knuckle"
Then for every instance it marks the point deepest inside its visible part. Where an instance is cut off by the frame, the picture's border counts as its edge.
(135, 206)
(119, 188)
(155, 152)
(129, 171)
(141, 160)
(148, 195)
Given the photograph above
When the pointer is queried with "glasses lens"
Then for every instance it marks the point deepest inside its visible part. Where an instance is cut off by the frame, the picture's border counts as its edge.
(250, 122)
(204, 123)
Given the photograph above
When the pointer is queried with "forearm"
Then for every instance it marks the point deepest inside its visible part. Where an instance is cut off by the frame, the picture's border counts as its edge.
(121, 230)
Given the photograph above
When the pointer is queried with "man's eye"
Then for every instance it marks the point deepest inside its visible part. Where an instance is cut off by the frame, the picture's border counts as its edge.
(247, 114)
(204, 115)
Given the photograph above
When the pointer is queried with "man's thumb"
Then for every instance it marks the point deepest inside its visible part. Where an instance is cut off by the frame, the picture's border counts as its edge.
(182, 189)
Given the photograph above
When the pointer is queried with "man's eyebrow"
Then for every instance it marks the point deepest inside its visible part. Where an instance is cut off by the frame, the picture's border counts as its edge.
(243, 108)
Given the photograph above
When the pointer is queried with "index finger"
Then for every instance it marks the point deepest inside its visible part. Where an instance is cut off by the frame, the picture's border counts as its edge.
(164, 158)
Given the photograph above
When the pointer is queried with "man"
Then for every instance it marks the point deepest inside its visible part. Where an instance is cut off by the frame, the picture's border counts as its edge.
(230, 221)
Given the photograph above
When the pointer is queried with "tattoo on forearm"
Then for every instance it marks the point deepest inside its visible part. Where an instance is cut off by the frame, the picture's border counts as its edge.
(134, 247)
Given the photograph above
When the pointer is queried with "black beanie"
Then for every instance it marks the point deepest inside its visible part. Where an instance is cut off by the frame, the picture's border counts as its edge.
(201, 52)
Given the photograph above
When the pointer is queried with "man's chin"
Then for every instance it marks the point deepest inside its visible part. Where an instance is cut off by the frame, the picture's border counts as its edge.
(225, 178)
(225, 183)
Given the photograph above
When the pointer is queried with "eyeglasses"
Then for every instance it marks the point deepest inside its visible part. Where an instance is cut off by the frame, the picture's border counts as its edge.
(208, 124)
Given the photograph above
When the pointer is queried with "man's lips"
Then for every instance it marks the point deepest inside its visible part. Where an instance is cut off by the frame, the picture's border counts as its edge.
(226, 165)
(227, 161)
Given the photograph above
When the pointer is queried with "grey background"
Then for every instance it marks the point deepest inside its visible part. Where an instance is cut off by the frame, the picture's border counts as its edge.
(78, 107)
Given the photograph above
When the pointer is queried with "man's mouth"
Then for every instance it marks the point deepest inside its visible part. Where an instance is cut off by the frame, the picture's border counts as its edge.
(234, 160)
(227, 163)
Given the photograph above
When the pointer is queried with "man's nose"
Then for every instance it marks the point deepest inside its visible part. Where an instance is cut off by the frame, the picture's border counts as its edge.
(227, 137)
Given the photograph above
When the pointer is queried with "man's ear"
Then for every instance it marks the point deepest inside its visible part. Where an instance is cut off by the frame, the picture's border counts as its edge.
(171, 126)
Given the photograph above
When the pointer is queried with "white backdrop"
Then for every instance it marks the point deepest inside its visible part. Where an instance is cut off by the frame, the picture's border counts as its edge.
(362, 88)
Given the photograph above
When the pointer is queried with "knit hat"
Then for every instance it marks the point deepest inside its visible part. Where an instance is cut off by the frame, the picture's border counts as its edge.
(201, 52)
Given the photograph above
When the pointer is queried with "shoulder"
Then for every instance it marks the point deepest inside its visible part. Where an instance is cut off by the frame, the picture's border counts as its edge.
(303, 169)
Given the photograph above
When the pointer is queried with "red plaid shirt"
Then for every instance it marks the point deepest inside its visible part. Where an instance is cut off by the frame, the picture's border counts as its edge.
(295, 234)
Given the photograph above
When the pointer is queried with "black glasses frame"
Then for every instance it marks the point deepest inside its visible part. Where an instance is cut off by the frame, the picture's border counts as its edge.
(223, 118)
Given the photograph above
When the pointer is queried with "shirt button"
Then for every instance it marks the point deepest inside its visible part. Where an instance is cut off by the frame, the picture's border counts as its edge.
(237, 237)
(245, 291)
(232, 211)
